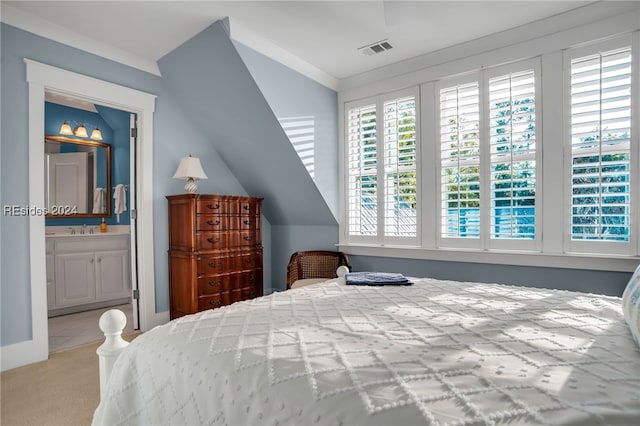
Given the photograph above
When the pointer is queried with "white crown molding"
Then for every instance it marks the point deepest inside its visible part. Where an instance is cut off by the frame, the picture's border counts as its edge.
(33, 24)
(543, 28)
(243, 35)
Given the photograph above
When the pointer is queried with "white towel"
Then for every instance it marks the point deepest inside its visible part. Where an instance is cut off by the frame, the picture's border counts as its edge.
(98, 200)
(120, 197)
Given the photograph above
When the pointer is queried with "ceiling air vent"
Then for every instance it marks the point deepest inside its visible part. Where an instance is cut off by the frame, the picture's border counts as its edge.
(377, 47)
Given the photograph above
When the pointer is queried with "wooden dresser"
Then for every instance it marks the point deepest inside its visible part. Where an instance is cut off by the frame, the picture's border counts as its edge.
(215, 251)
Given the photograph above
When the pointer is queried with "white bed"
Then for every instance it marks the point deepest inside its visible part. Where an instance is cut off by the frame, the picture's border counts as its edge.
(436, 353)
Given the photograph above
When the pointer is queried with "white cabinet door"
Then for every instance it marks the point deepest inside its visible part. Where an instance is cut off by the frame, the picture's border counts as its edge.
(112, 275)
(75, 279)
(51, 288)
(51, 277)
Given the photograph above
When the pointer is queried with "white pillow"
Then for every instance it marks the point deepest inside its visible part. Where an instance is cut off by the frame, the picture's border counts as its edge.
(631, 305)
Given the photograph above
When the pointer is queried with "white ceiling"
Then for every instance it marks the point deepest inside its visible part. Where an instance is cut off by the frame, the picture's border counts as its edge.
(324, 34)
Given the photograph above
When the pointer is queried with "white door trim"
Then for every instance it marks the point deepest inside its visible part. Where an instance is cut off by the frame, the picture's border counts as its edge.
(41, 78)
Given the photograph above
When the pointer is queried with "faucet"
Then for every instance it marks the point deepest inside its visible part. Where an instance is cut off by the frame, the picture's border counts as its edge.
(91, 229)
(84, 229)
(73, 231)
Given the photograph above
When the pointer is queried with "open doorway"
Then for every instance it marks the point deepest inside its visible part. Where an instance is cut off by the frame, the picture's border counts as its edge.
(90, 248)
(41, 77)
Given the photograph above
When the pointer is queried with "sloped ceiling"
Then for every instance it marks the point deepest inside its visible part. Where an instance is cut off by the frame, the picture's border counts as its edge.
(207, 77)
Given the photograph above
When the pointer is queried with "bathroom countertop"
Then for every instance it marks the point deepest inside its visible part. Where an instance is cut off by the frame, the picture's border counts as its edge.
(65, 231)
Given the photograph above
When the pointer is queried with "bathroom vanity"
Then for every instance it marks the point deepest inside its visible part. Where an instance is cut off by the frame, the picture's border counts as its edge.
(87, 269)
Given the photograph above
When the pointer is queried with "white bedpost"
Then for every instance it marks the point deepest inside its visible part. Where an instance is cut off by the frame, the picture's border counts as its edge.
(111, 323)
(341, 271)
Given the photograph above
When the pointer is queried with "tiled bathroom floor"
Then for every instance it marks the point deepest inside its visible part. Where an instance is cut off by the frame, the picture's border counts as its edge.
(72, 330)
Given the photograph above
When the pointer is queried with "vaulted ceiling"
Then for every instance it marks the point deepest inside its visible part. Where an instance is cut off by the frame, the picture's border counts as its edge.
(326, 35)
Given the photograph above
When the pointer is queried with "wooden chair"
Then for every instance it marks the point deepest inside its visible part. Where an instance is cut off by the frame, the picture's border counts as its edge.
(310, 267)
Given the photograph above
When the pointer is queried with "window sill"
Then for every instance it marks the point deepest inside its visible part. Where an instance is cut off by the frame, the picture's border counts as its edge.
(556, 260)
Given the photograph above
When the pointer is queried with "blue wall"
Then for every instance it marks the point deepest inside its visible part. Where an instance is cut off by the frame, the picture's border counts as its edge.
(114, 126)
(174, 137)
(291, 95)
(598, 282)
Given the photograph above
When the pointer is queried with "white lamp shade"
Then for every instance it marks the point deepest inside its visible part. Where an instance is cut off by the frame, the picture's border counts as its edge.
(190, 167)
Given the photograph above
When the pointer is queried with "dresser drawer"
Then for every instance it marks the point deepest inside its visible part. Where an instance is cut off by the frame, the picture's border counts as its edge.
(248, 208)
(226, 239)
(210, 222)
(247, 260)
(212, 284)
(216, 206)
(214, 301)
(222, 299)
(215, 265)
(214, 240)
(206, 222)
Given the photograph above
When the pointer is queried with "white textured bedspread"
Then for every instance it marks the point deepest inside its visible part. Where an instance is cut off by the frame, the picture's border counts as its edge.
(437, 352)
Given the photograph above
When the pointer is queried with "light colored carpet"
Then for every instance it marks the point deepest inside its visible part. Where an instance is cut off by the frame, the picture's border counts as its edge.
(62, 391)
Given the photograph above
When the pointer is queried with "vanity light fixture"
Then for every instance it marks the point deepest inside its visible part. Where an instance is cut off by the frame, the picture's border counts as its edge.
(65, 129)
(96, 134)
(190, 169)
(81, 131)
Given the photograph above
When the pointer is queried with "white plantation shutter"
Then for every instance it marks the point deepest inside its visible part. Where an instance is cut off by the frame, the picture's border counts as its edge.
(362, 169)
(400, 161)
(382, 161)
(600, 112)
(460, 161)
(512, 140)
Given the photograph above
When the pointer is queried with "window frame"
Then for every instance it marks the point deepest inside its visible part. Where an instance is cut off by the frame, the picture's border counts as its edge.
(631, 247)
(485, 242)
(380, 238)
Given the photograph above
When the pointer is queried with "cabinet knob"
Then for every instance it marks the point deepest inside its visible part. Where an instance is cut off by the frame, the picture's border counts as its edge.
(215, 264)
(251, 277)
(215, 283)
(215, 303)
(213, 240)
(247, 238)
(212, 223)
(213, 206)
(249, 261)
(246, 221)
(246, 207)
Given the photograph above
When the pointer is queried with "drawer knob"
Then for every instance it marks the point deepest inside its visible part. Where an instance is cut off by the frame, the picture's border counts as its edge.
(251, 277)
(213, 240)
(215, 264)
(215, 283)
(215, 303)
(212, 223)
(247, 238)
(246, 207)
(246, 221)
(248, 261)
(215, 206)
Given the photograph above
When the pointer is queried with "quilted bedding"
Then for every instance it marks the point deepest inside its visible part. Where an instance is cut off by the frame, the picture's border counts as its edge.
(435, 353)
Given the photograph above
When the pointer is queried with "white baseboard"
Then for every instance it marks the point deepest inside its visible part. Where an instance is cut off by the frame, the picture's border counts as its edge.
(23, 353)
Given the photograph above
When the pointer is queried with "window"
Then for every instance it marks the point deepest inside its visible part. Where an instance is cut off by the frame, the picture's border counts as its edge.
(453, 171)
(600, 137)
(487, 160)
(382, 168)
(460, 161)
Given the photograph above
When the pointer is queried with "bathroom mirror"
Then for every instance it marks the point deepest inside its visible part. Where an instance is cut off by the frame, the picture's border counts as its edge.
(77, 177)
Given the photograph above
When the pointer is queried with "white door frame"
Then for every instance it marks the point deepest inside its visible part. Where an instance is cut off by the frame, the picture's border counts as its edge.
(41, 78)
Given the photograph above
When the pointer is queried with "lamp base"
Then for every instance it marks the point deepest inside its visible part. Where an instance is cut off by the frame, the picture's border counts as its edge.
(191, 186)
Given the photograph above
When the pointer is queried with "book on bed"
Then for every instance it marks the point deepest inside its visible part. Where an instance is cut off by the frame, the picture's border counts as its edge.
(375, 278)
